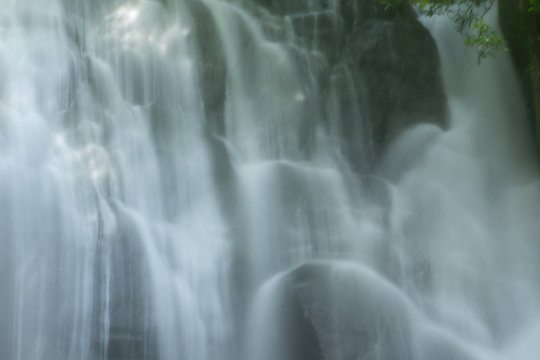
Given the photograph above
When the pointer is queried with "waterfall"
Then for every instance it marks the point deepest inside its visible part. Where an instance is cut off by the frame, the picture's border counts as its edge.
(261, 179)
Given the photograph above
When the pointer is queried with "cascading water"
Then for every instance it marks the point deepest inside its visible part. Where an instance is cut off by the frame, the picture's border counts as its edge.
(185, 179)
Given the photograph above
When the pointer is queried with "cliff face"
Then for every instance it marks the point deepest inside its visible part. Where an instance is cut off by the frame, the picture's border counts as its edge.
(378, 70)
(521, 29)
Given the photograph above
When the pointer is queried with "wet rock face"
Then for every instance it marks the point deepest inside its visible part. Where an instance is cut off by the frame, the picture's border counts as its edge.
(382, 69)
(212, 68)
(399, 64)
(373, 71)
(337, 311)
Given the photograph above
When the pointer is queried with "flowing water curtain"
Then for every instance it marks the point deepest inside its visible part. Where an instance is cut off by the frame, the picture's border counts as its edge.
(103, 108)
(154, 60)
(165, 164)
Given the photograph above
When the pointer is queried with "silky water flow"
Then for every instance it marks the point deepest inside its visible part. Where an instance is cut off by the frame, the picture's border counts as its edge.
(190, 179)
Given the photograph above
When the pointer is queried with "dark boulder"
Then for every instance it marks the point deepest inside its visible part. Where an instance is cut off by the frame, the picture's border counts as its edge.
(331, 310)
(382, 69)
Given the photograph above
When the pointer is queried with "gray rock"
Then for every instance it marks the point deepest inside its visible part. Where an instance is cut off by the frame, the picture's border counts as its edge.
(333, 310)
(383, 70)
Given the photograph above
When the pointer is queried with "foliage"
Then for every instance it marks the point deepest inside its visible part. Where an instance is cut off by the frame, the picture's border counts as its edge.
(468, 17)
(534, 6)
(485, 40)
